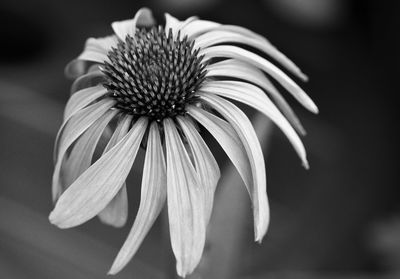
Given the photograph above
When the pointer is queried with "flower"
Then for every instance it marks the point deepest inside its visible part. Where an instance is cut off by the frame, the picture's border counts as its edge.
(153, 86)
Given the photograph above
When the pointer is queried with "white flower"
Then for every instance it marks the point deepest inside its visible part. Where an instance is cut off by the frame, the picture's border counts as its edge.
(149, 85)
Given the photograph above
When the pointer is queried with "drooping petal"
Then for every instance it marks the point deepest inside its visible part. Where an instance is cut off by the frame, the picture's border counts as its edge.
(83, 98)
(77, 102)
(185, 203)
(253, 96)
(90, 79)
(69, 132)
(236, 34)
(152, 199)
(116, 211)
(245, 130)
(206, 166)
(82, 153)
(236, 69)
(142, 18)
(96, 187)
(95, 50)
(229, 140)
(263, 64)
(197, 27)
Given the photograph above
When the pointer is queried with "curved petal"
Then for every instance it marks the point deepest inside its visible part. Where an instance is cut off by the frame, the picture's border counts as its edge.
(185, 203)
(82, 153)
(142, 18)
(69, 132)
(232, 68)
(152, 199)
(90, 79)
(263, 64)
(245, 130)
(76, 103)
(116, 211)
(197, 27)
(83, 98)
(255, 97)
(229, 140)
(206, 166)
(96, 187)
(171, 23)
(95, 50)
(236, 34)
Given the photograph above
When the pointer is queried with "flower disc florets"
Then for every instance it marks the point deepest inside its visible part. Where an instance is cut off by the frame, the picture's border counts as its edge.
(153, 74)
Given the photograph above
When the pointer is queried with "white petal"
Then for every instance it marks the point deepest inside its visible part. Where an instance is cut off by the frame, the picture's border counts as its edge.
(236, 34)
(152, 199)
(171, 23)
(245, 130)
(82, 153)
(255, 97)
(263, 64)
(143, 17)
(95, 50)
(206, 165)
(92, 78)
(69, 132)
(83, 98)
(95, 188)
(185, 203)
(197, 27)
(77, 102)
(240, 70)
(116, 211)
(229, 140)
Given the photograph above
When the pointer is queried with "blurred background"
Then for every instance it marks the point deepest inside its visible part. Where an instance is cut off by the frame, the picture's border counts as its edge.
(340, 219)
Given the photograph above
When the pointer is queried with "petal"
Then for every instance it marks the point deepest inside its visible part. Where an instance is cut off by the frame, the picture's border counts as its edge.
(197, 27)
(263, 64)
(244, 129)
(90, 79)
(70, 131)
(176, 25)
(83, 98)
(152, 199)
(96, 187)
(76, 103)
(228, 139)
(255, 97)
(240, 70)
(142, 18)
(206, 165)
(82, 153)
(171, 23)
(95, 50)
(116, 211)
(236, 34)
(185, 203)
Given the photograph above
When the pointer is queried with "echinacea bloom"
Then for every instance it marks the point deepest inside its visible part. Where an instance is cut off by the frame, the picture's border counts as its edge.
(157, 87)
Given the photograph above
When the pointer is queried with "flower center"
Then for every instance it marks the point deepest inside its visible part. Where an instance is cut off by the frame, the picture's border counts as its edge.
(154, 75)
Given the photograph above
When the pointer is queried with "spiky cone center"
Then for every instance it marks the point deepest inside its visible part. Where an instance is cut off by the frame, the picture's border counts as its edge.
(153, 74)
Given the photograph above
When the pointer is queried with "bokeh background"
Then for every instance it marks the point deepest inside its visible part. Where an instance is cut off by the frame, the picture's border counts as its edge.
(340, 219)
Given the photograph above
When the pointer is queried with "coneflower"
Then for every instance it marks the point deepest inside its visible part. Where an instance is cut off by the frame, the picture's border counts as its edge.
(157, 87)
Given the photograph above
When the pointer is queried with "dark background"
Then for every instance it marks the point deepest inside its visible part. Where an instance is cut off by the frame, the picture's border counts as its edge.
(341, 218)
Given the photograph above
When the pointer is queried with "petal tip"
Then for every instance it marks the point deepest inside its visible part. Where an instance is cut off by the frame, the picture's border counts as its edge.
(303, 76)
(306, 165)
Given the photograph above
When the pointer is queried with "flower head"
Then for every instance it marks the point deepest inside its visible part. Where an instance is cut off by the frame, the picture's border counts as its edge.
(154, 86)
